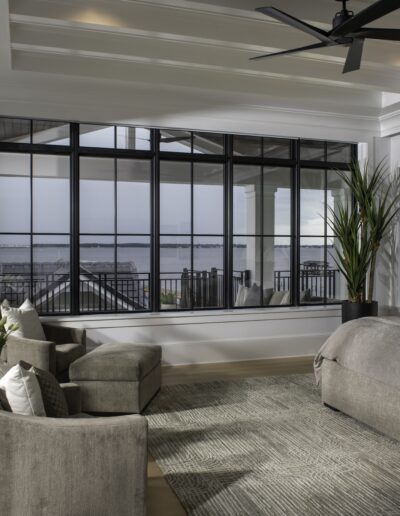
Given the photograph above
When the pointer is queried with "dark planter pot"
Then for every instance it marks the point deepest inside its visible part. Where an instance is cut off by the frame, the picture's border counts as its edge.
(352, 311)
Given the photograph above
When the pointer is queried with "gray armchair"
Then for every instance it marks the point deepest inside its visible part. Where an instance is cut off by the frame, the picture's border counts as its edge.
(72, 467)
(62, 347)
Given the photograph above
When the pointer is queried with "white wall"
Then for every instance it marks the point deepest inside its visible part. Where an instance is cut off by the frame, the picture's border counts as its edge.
(223, 336)
(388, 268)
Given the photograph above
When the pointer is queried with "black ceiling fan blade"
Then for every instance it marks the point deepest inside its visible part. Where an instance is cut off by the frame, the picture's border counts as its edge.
(385, 34)
(368, 15)
(354, 56)
(295, 23)
(292, 51)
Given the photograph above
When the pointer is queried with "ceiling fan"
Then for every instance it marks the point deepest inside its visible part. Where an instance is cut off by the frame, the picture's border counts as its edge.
(347, 29)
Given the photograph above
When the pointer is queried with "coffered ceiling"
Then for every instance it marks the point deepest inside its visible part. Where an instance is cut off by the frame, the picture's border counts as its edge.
(199, 47)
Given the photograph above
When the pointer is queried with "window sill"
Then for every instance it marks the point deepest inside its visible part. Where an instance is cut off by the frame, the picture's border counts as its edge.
(197, 317)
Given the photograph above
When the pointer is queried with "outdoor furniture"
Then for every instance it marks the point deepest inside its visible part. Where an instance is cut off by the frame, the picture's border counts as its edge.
(62, 347)
(62, 467)
(118, 377)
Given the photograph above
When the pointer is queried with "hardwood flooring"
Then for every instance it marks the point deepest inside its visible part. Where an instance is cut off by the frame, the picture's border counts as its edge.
(161, 500)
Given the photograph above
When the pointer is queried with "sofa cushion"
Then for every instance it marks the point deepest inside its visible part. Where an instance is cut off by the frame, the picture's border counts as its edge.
(53, 396)
(240, 297)
(116, 362)
(277, 297)
(267, 294)
(23, 392)
(29, 326)
(253, 296)
(66, 354)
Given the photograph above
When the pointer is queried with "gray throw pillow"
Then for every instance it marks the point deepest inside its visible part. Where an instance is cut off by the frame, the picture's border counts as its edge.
(253, 297)
(55, 404)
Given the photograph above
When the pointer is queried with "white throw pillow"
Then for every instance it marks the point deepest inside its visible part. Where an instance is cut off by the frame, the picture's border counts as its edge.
(240, 296)
(277, 297)
(23, 392)
(26, 317)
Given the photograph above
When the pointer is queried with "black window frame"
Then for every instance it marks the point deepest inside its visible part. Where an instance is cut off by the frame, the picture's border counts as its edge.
(155, 156)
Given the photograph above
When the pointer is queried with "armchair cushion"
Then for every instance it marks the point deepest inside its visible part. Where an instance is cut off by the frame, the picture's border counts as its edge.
(66, 354)
(64, 335)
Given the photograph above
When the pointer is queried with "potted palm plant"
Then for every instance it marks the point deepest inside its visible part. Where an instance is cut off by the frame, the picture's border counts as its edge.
(359, 227)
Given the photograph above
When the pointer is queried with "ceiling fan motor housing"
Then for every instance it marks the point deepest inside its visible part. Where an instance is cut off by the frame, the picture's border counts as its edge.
(341, 17)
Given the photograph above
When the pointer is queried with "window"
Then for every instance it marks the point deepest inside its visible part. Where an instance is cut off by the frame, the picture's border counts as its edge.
(115, 235)
(191, 235)
(35, 230)
(321, 192)
(98, 218)
(261, 236)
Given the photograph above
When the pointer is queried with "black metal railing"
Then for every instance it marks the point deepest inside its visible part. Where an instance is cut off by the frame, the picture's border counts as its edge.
(315, 280)
(105, 292)
(192, 289)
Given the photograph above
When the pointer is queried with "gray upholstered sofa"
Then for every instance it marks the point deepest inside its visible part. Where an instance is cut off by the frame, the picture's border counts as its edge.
(62, 347)
(72, 467)
(358, 369)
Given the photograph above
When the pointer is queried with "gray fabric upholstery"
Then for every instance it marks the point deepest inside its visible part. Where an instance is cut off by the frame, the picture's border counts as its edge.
(121, 397)
(72, 397)
(72, 467)
(118, 378)
(54, 401)
(39, 353)
(117, 362)
(63, 335)
(370, 346)
(66, 354)
(373, 402)
(55, 355)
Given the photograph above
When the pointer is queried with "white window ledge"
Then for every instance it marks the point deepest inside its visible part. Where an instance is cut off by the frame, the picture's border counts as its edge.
(197, 317)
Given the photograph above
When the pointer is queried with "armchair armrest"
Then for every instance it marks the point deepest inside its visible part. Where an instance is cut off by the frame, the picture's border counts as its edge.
(39, 353)
(64, 335)
(72, 395)
(63, 466)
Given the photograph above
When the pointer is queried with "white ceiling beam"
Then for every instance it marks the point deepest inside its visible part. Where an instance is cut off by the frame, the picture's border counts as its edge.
(31, 31)
(119, 67)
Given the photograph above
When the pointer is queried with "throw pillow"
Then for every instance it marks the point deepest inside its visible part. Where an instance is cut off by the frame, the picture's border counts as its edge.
(23, 392)
(277, 297)
(240, 295)
(27, 319)
(267, 295)
(253, 296)
(53, 396)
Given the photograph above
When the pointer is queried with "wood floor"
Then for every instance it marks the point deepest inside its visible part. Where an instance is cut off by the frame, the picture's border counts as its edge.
(161, 500)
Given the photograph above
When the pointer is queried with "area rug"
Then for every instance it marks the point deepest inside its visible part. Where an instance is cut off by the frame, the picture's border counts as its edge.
(267, 446)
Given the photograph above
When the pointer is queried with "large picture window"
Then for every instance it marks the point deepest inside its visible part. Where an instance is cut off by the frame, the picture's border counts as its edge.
(106, 219)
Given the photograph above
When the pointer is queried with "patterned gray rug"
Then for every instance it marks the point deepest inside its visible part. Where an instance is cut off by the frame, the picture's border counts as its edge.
(267, 446)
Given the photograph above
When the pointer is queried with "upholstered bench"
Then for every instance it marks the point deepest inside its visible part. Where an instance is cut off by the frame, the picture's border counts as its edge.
(118, 378)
